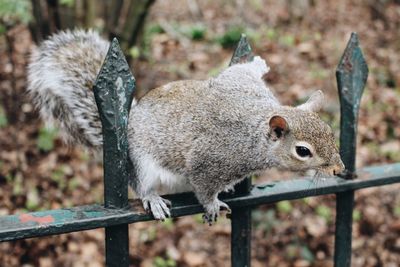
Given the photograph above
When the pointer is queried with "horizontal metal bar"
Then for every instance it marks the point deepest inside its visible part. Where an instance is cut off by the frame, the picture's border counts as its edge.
(80, 218)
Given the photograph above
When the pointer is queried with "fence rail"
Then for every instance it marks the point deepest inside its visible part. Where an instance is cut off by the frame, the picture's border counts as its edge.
(113, 91)
(55, 222)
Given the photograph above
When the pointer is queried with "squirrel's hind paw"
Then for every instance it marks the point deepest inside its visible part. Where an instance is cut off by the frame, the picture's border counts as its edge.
(212, 211)
(158, 206)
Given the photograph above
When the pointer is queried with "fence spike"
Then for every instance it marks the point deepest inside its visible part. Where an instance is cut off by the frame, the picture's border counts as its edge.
(241, 217)
(351, 75)
(243, 52)
(113, 92)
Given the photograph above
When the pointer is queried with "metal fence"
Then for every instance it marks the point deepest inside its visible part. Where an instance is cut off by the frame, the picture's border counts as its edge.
(113, 91)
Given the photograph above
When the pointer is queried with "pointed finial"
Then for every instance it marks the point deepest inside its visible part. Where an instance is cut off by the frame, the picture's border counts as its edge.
(351, 76)
(242, 52)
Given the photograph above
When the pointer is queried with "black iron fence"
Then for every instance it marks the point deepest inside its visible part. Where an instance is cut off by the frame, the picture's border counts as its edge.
(113, 91)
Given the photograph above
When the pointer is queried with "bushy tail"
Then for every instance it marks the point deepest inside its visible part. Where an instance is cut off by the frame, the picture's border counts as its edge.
(61, 75)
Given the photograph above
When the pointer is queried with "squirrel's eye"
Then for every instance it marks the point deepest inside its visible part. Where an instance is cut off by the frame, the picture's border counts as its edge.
(303, 152)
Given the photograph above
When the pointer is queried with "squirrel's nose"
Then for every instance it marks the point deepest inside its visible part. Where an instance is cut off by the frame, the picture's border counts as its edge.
(338, 168)
(337, 165)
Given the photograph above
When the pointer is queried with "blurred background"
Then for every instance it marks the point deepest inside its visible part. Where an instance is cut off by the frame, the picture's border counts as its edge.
(302, 41)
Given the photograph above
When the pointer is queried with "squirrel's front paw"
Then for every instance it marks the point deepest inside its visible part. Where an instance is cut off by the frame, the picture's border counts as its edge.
(158, 206)
(212, 211)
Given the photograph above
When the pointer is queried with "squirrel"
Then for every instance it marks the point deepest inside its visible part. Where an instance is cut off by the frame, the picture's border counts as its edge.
(203, 136)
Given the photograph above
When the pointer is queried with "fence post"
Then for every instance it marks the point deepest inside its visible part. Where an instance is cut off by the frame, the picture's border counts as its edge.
(241, 217)
(113, 92)
(351, 75)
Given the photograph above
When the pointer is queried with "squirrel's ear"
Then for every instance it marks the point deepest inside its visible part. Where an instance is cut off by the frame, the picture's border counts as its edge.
(314, 103)
(278, 127)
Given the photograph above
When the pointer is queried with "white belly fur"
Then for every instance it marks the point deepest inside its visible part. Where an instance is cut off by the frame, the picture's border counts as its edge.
(154, 176)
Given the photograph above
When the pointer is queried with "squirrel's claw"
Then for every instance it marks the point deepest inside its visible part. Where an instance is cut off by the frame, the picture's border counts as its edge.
(212, 211)
(224, 206)
(158, 206)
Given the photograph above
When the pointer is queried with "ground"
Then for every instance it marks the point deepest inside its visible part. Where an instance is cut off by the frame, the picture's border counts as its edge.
(302, 44)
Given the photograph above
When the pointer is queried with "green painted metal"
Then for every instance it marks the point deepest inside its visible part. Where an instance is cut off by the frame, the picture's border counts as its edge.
(241, 216)
(351, 75)
(113, 92)
(243, 52)
(54, 222)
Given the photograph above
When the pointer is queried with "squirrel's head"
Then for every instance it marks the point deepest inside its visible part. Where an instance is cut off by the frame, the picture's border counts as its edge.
(302, 141)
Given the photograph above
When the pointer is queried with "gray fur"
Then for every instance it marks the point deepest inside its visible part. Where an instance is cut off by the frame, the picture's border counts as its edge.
(204, 136)
(60, 79)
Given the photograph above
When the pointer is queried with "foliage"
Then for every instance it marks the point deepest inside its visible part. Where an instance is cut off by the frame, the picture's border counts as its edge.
(271, 34)
(17, 183)
(134, 52)
(58, 176)
(324, 212)
(12, 12)
(47, 136)
(287, 40)
(231, 36)
(356, 215)
(195, 32)
(284, 206)
(150, 30)
(32, 199)
(3, 118)
(295, 250)
(168, 224)
(68, 3)
(396, 210)
(161, 262)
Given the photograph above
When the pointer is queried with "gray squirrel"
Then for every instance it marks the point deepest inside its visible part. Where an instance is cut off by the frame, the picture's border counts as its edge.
(202, 136)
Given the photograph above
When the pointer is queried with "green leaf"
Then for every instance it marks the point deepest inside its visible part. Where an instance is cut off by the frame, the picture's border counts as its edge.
(356, 215)
(32, 200)
(9, 178)
(154, 28)
(231, 37)
(198, 218)
(271, 34)
(284, 206)
(195, 32)
(134, 52)
(324, 212)
(306, 254)
(396, 210)
(3, 118)
(161, 262)
(68, 3)
(46, 138)
(17, 185)
(287, 40)
(2, 29)
(13, 12)
(58, 176)
(168, 223)
(73, 184)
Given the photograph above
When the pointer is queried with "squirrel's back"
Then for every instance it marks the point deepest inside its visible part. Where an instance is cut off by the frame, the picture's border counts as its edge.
(61, 75)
